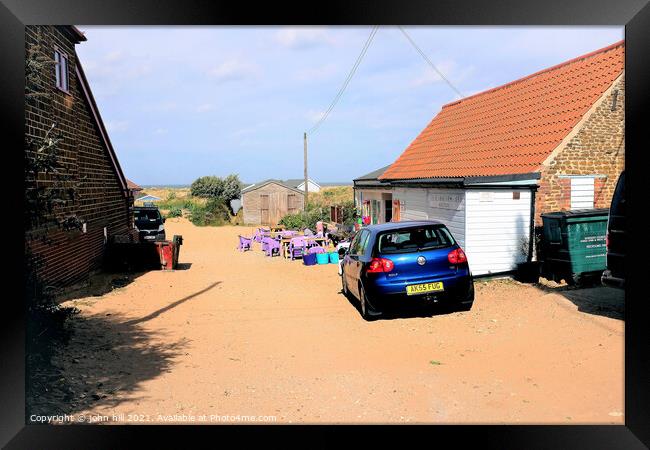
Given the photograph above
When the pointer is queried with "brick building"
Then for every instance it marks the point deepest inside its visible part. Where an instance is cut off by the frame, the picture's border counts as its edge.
(490, 164)
(99, 204)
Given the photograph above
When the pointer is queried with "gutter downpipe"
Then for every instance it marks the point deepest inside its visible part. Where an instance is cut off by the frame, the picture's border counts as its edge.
(531, 238)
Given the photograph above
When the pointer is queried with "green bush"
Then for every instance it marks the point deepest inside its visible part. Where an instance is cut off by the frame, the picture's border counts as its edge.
(213, 213)
(294, 221)
(314, 214)
(175, 212)
(349, 212)
(305, 219)
(225, 189)
(206, 187)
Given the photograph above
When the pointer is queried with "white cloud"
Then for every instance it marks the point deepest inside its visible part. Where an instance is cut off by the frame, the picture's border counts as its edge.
(232, 70)
(161, 131)
(116, 126)
(115, 55)
(323, 72)
(242, 132)
(164, 106)
(314, 115)
(561, 42)
(205, 107)
(303, 37)
(448, 68)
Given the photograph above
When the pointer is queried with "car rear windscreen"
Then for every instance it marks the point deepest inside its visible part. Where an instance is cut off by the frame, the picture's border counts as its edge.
(146, 216)
(416, 239)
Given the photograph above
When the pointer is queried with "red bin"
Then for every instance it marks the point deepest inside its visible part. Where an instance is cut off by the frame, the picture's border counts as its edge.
(168, 252)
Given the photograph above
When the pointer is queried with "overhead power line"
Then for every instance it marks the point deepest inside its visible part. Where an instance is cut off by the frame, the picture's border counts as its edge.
(346, 82)
(430, 63)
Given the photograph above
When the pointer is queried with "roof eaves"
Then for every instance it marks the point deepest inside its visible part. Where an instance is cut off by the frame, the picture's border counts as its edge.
(470, 180)
(428, 182)
(264, 183)
(78, 33)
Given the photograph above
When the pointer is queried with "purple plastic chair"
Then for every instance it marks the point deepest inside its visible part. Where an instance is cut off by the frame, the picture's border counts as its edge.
(245, 243)
(270, 246)
(297, 247)
(257, 236)
(260, 233)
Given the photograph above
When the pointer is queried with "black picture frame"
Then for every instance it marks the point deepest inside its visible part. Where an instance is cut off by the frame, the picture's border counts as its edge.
(633, 14)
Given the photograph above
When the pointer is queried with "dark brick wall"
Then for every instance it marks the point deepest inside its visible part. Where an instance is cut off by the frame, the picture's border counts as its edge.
(598, 148)
(67, 257)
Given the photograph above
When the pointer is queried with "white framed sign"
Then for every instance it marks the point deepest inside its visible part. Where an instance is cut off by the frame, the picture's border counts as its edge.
(444, 200)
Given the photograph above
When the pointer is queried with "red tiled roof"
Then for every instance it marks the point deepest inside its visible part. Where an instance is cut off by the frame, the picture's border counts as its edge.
(132, 186)
(513, 128)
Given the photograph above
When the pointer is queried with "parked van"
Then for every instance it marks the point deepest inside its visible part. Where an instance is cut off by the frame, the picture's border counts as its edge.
(614, 275)
(149, 223)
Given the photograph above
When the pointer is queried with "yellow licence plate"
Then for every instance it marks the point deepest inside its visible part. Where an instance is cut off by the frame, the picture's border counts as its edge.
(415, 289)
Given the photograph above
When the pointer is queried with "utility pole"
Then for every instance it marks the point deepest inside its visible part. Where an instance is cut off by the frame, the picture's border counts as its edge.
(306, 178)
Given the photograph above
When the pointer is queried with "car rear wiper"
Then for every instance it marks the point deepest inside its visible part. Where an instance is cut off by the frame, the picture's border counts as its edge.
(436, 247)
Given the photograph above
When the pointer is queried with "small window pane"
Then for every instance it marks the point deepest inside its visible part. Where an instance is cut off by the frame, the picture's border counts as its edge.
(61, 70)
(64, 73)
(57, 68)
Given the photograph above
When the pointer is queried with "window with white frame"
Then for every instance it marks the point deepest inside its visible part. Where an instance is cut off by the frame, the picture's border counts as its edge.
(61, 70)
(582, 192)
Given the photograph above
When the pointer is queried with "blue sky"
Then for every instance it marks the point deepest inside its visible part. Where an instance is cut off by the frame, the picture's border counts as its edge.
(182, 102)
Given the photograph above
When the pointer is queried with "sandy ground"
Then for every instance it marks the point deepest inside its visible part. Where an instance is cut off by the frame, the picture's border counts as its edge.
(239, 334)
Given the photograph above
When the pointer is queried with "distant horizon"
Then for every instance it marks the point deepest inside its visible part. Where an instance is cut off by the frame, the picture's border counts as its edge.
(164, 185)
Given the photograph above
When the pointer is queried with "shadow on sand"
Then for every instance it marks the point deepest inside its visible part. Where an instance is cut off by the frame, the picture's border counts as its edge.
(102, 363)
(592, 299)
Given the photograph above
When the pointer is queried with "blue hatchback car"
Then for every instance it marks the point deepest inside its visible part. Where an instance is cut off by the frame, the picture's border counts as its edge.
(398, 262)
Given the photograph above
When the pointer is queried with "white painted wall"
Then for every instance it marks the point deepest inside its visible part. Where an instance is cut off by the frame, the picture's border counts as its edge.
(495, 225)
(312, 186)
(445, 205)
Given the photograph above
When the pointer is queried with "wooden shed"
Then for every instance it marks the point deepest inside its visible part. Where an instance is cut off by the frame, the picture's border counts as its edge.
(267, 202)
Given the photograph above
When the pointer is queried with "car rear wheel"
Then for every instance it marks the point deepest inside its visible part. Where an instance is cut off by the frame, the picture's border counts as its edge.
(464, 306)
(367, 310)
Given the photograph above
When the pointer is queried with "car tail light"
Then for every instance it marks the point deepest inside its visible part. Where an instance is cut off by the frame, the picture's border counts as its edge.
(457, 256)
(607, 241)
(378, 265)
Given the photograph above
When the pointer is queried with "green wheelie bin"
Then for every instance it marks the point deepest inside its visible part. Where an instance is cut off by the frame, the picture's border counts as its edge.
(574, 244)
